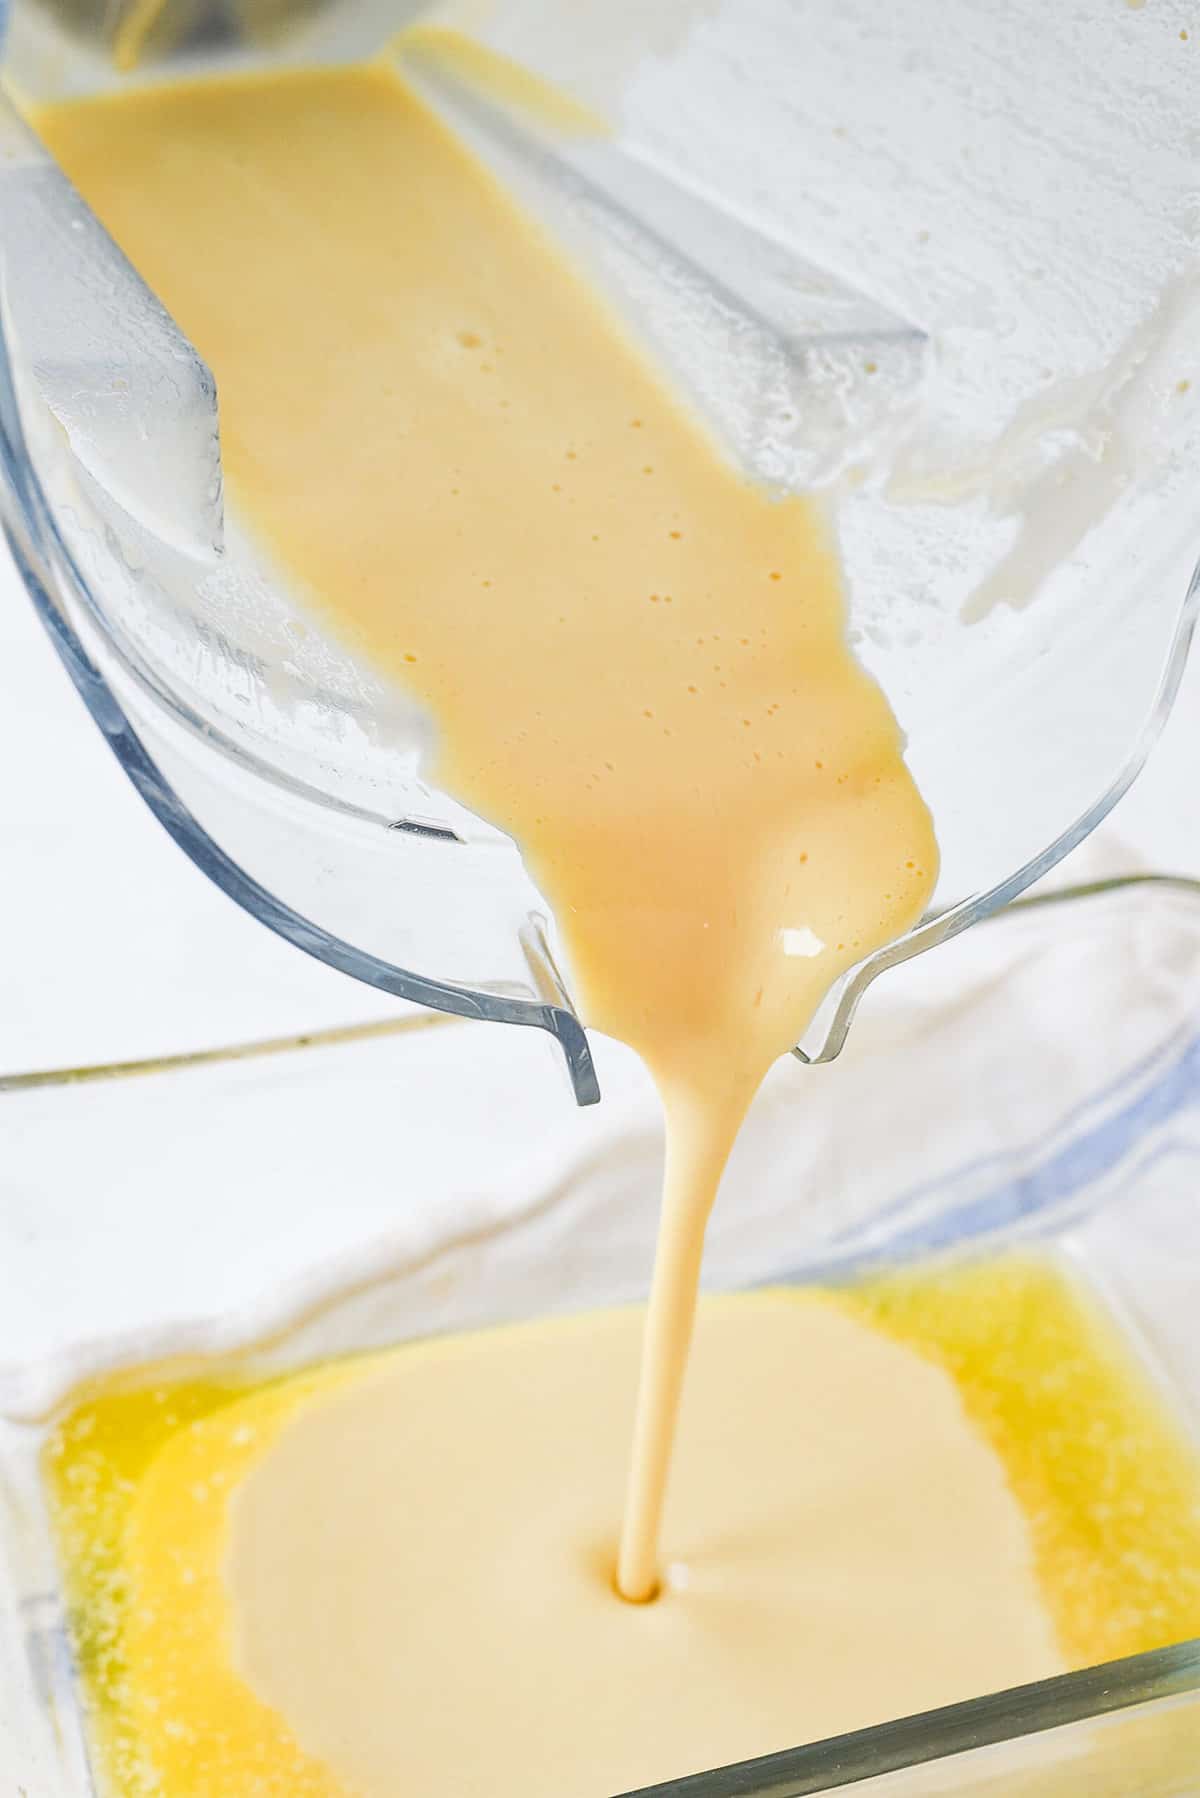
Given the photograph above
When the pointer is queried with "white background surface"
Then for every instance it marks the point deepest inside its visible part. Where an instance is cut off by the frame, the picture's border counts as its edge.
(113, 946)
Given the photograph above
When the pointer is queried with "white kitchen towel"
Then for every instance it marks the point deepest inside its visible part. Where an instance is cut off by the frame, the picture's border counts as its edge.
(389, 1186)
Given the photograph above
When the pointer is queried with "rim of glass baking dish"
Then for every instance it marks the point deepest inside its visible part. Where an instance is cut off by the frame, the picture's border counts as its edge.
(935, 1737)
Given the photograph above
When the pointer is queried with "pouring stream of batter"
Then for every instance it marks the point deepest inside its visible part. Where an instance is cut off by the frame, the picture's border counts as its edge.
(636, 659)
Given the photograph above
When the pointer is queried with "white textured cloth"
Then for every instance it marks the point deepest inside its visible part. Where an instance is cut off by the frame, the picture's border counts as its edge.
(1007, 1076)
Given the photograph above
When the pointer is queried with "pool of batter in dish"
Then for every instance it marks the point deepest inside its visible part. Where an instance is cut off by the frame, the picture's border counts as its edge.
(394, 1573)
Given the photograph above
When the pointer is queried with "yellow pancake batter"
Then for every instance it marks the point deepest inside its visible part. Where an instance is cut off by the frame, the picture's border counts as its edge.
(392, 1575)
(636, 659)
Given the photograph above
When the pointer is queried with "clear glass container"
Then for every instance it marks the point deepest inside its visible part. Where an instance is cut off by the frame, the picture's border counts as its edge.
(252, 1210)
(940, 270)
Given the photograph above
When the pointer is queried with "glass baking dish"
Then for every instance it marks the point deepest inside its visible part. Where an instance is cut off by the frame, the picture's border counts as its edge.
(249, 1210)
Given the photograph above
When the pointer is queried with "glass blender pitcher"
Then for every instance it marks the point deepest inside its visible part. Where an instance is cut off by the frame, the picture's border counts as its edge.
(940, 267)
